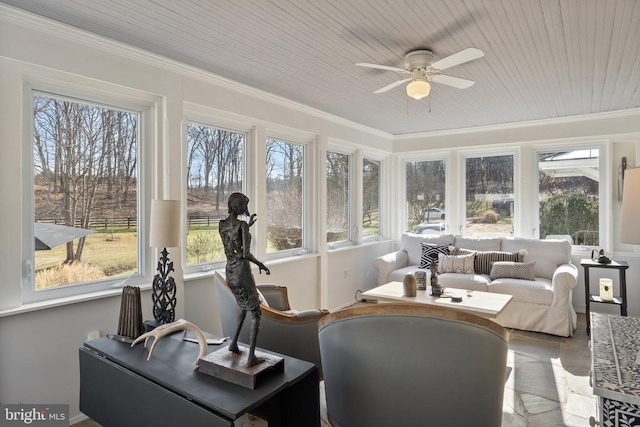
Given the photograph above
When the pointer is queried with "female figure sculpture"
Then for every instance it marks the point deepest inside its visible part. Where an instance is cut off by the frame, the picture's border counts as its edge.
(236, 240)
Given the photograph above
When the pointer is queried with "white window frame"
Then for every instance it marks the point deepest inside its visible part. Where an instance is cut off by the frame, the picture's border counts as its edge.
(306, 142)
(401, 179)
(148, 107)
(202, 116)
(462, 180)
(605, 230)
(354, 205)
(380, 158)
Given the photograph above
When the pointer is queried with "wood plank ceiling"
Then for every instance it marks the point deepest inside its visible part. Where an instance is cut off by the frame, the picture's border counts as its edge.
(543, 58)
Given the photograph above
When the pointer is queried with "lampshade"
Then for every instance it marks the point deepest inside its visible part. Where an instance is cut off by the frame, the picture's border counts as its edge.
(165, 224)
(418, 89)
(630, 225)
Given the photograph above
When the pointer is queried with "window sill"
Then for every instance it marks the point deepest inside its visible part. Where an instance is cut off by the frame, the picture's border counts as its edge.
(59, 302)
(347, 247)
(275, 261)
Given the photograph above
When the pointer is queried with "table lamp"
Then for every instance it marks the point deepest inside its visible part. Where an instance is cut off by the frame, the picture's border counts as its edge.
(629, 225)
(164, 233)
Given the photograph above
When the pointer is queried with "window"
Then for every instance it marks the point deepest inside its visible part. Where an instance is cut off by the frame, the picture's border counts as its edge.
(425, 193)
(285, 195)
(215, 170)
(86, 193)
(370, 198)
(338, 197)
(569, 194)
(489, 203)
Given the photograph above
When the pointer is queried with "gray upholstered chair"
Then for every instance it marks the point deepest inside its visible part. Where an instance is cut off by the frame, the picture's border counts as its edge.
(412, 365)
(282, 330)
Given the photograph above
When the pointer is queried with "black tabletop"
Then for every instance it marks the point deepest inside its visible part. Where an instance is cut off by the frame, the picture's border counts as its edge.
(172, 366)
(587, 262)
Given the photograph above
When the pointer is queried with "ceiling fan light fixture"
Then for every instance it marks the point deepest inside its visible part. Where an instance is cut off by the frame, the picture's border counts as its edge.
(418, 89)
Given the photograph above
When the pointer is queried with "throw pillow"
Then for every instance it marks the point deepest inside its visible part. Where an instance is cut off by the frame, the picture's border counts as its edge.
(430, 252)
(484, 259)
(456, 263)
(512, 270)
(460, 251)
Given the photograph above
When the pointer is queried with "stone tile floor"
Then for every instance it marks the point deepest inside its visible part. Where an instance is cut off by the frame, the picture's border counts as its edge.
(547, 383)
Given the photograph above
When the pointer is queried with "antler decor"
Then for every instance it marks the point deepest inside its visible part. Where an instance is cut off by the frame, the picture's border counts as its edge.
(169, 328)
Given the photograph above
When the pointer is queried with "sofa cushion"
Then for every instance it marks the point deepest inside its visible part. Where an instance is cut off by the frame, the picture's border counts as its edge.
(472, 282)
(513, 270)
(484, 259)
(398, 275)
(547, 254)
(530, 291)
(430, 253)
(410, 243)
(456, 263)
(478, 243)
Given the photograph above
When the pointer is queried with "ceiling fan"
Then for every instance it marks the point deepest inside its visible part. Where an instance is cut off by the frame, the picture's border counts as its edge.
(419, 63)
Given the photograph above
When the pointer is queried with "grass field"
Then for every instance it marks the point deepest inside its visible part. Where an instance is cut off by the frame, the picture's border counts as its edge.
(114, 255)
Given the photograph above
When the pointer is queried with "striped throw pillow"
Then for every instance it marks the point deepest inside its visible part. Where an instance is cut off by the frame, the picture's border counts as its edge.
(484, 259)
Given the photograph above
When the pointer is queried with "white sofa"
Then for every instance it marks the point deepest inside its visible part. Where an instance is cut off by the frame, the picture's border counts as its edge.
(541, 305)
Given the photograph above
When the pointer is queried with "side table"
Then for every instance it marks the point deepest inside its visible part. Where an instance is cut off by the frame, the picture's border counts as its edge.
(620, 300)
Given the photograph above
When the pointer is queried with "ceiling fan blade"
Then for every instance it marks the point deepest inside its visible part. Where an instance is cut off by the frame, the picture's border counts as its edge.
(381, 67)
(391, 86)
(456, 82)
(461, 57)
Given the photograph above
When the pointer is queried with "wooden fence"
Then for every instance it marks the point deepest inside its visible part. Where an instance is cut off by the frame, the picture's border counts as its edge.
(130, 223)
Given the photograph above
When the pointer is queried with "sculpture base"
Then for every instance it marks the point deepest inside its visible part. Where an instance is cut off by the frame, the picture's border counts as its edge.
(232, 367)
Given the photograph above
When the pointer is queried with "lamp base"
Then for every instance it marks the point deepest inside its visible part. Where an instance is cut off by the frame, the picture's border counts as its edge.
(163, 293)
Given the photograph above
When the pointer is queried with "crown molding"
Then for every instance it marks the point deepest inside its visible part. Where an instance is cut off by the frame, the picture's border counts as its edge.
(67, 32)
(519, 125)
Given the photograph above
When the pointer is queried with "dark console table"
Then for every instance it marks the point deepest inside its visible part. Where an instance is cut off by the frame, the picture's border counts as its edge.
(119, 388)
(620, 300)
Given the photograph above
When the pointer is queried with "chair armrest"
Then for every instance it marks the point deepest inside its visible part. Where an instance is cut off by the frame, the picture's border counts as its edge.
(314, 314)
(388, 263)
(294, 317)
(565, 275)
(564, 280)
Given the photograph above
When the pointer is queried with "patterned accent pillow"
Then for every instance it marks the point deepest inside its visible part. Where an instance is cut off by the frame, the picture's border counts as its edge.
(512, 270)
(430, 252)
(456, 263)
(484, 259)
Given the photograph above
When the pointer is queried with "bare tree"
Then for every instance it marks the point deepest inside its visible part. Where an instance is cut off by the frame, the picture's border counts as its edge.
(79, 150)
(214, 162)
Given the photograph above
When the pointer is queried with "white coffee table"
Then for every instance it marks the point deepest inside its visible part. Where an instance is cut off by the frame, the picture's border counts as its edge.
(485, 304)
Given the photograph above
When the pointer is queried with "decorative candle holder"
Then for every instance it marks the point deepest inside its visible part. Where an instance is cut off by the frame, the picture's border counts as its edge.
(409, 285)
(606, 289)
